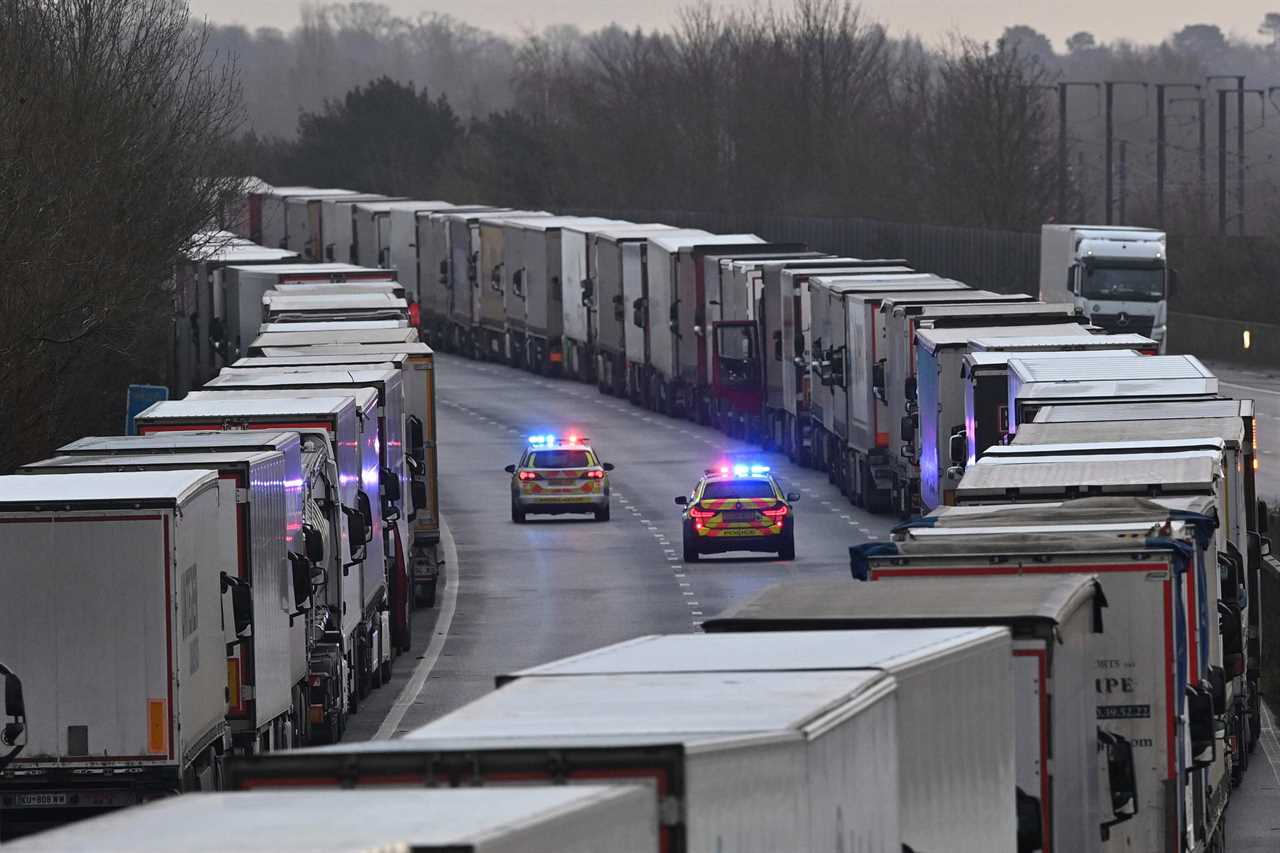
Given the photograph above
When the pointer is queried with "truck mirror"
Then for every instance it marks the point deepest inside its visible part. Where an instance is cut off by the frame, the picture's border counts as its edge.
(1263, 519)
(1218, 690)
(313, 544)
(417, 444)
(241, 602)
(907, 429)
(366, 512)
(682, 500)
(909, 389)
(1030, 826)
(418, 492)
(588, 290)
(300, 571)
(13, 702)
(959, 447)
(1122, 779)
(1200, 714)
(777, 346)
(1071, 278)
(638, 317)
(877, 381)
(390, 486)
(357, 532)
(517, 282)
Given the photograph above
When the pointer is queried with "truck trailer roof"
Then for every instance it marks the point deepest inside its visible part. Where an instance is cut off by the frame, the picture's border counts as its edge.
(70, 490)
(213, 441)
(1228, 430)
(1151, 410)
(1192, 471)
(1121, 367)
(1030, 344)
(225, 404)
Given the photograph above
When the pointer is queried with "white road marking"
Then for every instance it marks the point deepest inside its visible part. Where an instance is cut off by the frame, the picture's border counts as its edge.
(1250, 388)
(409, 693)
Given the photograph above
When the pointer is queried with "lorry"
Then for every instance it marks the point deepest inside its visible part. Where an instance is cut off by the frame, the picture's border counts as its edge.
(534, 303)
(564, 819)
(497, 258)
(434, 271)
(1145, 692)
(940, 355)
(267, 670)
(284, 307)
(393, 470)
(1118, 277)
(121, 616)
(462, 276)
(901, 318)
(340, 487)
(338, 226)
(755, 762)
(271, 228)
(417, 361)
(372, 224)
(582, 295)
(955, 769)
(1034, 383)
(1052, 619)
(244, 287)
(335, 334)
(198, 305)
(403, 240)
(303, 221)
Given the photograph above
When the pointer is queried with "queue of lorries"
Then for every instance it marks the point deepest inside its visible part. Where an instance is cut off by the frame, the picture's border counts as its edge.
(1059, 652)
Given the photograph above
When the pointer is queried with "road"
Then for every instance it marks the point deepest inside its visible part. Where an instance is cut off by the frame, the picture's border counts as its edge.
(1263, 387)
(526, 594)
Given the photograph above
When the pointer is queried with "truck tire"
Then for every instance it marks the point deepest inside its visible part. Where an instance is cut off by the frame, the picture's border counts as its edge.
(425, 593)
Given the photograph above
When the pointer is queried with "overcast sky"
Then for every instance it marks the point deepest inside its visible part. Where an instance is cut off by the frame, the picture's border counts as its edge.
(1143, 21)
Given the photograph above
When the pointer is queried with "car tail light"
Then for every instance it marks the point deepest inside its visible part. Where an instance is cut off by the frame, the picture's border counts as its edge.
(527, 475)
(777, 512)
(595, 475)
(694, 512)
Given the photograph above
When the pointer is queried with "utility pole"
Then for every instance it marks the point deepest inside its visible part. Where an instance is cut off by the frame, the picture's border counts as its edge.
(1062, 145)
(1109, 89)
(1124, 178)
(1240, 148)
(1161, 161)
(1222, 148)
(1222, 162)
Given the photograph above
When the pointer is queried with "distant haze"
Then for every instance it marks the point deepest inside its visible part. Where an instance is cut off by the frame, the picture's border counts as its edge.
(1143, 21)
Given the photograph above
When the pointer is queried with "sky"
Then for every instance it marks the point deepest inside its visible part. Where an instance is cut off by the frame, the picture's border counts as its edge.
(1144, 21)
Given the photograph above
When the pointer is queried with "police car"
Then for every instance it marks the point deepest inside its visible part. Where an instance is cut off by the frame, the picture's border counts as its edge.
(557, 476)
(738, 508)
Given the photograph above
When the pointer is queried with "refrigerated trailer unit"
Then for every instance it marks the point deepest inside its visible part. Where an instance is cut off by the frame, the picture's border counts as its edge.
(756, 762)
(584, 303)
(267, 671)
(1052, 619)
(393, 469)
(114, 616)
(1033, 384)
(404, 241)
(547, 819)
(497, 258)
(303, 221)
(462, 278)
(333, 334)
(940, 398)
(273, 226)
(435, 272)
(1142, 665)
(954, 701)
(280, 307)
(670, 301)
(372, 224)
(336, 288)
(348, 562)
(337, 226)
(243, 289)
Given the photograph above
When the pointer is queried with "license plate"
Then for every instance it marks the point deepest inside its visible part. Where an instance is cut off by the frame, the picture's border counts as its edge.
(739, 516)
(37, 800)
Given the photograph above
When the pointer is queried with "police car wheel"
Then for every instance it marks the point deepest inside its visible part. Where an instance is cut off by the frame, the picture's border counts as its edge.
(517, 514)
(787, 550)
(603, 514)
(691, 554)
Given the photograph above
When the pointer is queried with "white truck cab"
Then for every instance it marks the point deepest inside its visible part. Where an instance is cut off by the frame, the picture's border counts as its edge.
(1118, 277)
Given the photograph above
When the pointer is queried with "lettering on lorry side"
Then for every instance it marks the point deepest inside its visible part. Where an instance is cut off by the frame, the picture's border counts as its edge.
(1124, 712)
(1115, 684)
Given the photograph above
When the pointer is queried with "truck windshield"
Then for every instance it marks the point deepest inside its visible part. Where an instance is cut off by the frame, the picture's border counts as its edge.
(1135, 284)
(736, 350)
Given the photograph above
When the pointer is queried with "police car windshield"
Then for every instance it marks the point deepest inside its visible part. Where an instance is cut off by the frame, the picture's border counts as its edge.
(717, 489)
(559, 459)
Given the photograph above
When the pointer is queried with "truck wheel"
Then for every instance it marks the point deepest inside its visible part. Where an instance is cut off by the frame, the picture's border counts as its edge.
(517, 514)
(385, 674)
(425, 593)
(787, 550)
(603, 514)
(691, 554)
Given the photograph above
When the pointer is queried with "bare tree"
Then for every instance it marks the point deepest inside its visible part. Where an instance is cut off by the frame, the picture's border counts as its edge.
(113, 133)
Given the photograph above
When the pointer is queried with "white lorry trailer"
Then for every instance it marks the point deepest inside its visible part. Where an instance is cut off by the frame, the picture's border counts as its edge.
(1117, 276)
(334, 335)
(284, 307)
(436, 268)
(548, 819)
(754, 762)
(350, 508)
(119, 631)
(338, 226)
(955, 767)
(1051, 618)
(267, 670)
(1146, 559)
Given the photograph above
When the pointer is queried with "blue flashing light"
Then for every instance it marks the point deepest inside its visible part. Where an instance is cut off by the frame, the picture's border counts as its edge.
(540, 440)
(740, 470)
(759, 469)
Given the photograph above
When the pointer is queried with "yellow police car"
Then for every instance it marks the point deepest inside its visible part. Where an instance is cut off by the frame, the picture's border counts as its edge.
(738, 508)
(557, 476)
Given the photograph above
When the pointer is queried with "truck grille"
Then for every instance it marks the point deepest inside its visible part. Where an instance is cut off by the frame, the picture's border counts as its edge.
(1124, 323)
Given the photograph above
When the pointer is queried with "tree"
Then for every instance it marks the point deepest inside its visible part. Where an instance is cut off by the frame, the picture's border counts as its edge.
(1081, 42)
(114, 132)
(1202, 40)
(383, 137)
(1029, 42)
(1271, 27)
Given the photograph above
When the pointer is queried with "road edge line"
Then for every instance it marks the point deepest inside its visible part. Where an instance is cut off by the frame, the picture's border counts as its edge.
(409, 693)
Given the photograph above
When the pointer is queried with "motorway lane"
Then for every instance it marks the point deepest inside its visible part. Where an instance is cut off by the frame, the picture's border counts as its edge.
(1263, 387)
(557, 586)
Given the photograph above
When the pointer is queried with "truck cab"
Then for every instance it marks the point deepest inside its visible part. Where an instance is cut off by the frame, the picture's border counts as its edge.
(1117, 277)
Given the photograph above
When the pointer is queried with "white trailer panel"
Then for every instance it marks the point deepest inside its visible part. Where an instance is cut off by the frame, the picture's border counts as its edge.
(550, 819)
